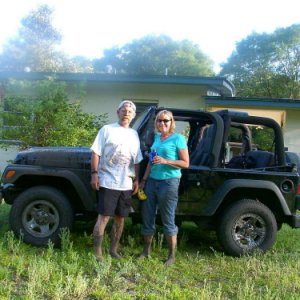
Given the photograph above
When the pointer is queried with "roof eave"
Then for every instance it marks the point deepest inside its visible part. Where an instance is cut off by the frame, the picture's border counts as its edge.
(218, 85)
(253, 102)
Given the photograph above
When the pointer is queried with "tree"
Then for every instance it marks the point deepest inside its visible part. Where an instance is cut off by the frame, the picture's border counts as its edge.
(48, 118)
(266, 65)
(35, 46)
(156, 55)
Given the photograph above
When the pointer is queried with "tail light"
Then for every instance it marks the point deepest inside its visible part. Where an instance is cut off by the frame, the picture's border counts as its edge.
(298, 189)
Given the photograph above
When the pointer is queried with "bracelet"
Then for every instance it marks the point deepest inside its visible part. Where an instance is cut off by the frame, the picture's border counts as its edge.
(94, 172)
(144, 179)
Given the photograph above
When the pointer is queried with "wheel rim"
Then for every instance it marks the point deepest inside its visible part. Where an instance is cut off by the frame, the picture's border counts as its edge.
(40, 218)
(249, 231)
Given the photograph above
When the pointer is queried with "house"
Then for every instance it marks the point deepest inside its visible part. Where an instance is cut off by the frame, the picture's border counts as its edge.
(103, 92)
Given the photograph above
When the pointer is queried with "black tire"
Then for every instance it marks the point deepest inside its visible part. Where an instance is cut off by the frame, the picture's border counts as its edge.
(245, 227)
(39, 214)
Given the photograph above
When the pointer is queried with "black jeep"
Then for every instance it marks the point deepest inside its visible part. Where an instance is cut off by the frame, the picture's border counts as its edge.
(240, 183)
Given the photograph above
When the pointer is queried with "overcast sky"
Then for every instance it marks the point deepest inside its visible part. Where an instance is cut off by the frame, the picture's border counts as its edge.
(90, 26)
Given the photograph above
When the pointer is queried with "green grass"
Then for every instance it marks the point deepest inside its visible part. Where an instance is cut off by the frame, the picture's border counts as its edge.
(201, 271)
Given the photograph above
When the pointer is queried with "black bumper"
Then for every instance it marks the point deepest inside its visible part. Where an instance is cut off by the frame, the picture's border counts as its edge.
(297, 202)
(295, 221)
(5, 192)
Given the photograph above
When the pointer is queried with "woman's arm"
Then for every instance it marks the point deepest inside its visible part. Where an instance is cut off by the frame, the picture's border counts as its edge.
(146, 175)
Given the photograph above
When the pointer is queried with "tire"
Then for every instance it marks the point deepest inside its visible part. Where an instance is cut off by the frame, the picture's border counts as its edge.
(245, 227)
(39, 214)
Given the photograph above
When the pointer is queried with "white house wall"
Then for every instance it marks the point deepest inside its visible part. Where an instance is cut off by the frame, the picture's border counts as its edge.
(292, 131)
(105, 98)
(6, 156)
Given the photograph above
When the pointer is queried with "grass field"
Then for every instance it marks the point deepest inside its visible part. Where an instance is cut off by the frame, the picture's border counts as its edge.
(201, 271)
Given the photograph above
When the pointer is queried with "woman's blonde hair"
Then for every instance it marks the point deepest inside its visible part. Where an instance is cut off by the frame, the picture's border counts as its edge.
(170, 115)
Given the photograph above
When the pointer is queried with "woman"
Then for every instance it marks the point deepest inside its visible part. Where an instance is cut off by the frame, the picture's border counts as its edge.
(162, 177)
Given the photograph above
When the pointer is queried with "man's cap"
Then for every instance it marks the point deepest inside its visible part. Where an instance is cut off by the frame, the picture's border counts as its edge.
(132, 105)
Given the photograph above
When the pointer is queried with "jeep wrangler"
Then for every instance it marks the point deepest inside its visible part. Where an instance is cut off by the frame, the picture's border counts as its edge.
(242, 188)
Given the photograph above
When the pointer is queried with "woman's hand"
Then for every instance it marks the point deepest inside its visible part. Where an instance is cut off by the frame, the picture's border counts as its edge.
(142, 184)
(182, 162)
(159, 160)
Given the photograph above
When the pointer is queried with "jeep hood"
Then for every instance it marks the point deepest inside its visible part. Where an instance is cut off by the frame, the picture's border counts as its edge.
(64, 157)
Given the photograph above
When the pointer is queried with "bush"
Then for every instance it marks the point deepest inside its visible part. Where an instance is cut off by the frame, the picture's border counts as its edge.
(40, 114)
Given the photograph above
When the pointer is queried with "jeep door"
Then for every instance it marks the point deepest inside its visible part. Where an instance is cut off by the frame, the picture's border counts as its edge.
(199, 181)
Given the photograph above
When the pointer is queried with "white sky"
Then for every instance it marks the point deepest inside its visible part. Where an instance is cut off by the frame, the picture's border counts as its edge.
(90, 26)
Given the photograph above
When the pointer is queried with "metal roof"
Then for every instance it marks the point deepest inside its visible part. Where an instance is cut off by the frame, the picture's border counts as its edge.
(254, 102)
(219, 85)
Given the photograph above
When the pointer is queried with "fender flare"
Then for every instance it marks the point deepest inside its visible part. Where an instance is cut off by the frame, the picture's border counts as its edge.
(231, 184)
(85, 195)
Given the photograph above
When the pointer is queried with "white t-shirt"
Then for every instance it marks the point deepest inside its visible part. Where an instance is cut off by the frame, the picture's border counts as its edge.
(119, 150)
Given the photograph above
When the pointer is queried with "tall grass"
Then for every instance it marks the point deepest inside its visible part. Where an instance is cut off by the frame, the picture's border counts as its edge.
(201, 271)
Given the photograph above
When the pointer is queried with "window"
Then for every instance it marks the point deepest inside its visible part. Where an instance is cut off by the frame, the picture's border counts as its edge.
(142, 105)
(10, 118)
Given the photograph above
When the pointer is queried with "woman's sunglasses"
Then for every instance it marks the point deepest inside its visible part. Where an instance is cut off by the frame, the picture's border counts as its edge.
(165, 121)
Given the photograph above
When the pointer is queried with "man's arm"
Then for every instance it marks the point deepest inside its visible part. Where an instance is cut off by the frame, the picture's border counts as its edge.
(95, 159)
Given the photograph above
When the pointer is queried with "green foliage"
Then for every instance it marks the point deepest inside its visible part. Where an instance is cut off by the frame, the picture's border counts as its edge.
(201, 271)
(264, 138)
(35, 47)
(45, 117)
(266, 65)
(156, 55)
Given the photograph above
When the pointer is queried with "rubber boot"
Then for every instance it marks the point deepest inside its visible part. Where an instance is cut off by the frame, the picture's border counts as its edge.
(172, 241)
(98, 246)
(147, 247)
(115, 236)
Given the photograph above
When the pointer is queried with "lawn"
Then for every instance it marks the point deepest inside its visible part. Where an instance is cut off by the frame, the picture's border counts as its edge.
(201, 271)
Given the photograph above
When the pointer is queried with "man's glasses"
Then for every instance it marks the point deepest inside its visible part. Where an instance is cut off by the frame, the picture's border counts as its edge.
(165, 121)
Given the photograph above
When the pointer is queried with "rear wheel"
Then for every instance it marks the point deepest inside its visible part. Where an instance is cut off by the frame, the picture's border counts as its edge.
(39, 214)
(246, 226)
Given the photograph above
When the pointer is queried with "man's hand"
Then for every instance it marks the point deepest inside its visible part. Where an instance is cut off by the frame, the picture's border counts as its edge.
(135, 187)
(95, 182)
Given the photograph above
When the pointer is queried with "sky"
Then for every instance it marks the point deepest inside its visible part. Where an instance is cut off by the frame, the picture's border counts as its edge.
(90, 26)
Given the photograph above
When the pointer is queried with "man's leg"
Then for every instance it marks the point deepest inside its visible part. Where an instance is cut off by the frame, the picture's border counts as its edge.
(98, 233)
(115, 235)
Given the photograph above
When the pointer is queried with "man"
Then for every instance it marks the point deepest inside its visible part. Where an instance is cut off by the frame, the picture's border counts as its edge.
(115, 173)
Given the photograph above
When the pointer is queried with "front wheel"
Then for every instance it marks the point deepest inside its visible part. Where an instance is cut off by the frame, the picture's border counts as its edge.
(39, 214)
(246, 226)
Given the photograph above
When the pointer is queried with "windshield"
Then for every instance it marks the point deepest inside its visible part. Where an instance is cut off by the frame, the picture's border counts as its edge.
(140, 119)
